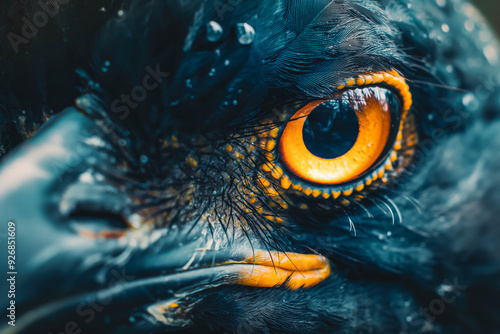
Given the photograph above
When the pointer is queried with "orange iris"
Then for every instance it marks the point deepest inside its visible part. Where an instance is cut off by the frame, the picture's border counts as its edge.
(374, 119)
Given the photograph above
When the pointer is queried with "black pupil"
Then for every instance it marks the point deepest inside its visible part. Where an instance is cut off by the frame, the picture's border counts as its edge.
(331, 130)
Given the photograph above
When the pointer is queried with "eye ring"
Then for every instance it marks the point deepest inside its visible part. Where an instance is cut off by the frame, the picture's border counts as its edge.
(375, 125)
(394, 160)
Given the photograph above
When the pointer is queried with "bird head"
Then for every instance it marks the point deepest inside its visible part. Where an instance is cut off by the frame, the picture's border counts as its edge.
(250, 166)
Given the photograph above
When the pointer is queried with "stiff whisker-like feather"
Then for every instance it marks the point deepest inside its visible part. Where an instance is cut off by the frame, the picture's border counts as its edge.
(394, 207)
(352, 227)
(384, 203)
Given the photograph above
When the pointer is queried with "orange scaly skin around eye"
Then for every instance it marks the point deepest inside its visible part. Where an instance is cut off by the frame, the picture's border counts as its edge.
(374, 129)
(407, 138)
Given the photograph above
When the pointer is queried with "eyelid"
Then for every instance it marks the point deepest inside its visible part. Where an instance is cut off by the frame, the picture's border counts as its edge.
(390, 78)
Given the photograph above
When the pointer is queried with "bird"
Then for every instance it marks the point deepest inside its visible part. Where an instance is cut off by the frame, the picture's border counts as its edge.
(258, 166)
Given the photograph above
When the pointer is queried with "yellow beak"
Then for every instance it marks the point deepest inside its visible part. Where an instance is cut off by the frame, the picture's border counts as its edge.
(272, 269)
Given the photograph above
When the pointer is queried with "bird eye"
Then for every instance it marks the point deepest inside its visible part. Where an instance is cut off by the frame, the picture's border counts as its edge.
(344, 143)
(336, 141)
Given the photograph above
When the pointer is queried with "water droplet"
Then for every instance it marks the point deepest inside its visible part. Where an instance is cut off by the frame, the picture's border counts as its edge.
(120, 13)
(245, 33)
(122, 142)
(103, 9)
(227, 62)
(214, 31)
(469, 101)
(469, 25)
(82, 102)
(235, 102)
(95, 141)
(144, 159)
(86, 177)
(135, 220)
(445, 28)
(107, 63)
(490, 52)
(189, 84)
(444, 289)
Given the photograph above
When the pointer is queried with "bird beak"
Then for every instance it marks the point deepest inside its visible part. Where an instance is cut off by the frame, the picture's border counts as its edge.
(271, 269)
(86, 279)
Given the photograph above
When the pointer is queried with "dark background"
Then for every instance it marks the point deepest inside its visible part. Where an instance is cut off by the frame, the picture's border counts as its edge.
(491, 9)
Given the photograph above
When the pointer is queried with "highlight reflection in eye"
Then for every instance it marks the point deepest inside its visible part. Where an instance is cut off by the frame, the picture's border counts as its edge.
(335, 141)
